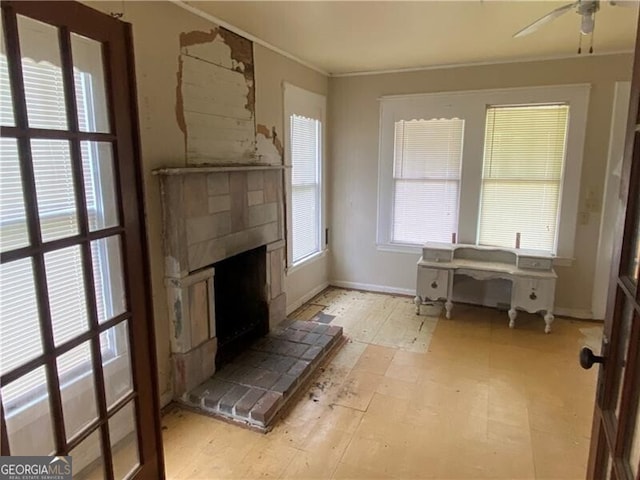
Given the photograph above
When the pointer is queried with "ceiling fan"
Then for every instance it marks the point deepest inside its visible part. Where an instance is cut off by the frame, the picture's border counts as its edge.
(586, 8)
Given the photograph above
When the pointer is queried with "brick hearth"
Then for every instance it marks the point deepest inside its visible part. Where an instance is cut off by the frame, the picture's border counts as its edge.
(257, 384)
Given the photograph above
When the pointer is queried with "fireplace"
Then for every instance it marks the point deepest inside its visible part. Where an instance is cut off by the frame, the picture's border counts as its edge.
(241, 308)
(224, 263)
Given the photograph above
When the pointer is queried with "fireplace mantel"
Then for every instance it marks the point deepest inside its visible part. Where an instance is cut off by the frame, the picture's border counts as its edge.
(216, 169)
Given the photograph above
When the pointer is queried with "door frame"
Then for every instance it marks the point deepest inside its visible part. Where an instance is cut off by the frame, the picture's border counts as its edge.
(609, 434)
(613, 172)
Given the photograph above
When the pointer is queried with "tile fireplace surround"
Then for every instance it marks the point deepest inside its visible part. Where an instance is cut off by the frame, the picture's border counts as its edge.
(211, 214)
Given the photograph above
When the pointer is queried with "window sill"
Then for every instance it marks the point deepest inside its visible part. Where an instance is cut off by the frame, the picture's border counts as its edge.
(399, 248)
(307, 261)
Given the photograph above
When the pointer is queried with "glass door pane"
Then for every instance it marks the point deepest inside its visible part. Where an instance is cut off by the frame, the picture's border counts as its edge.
(632, 266)
(7, 117)
(28, 414)
(42, 74)
(91, 97)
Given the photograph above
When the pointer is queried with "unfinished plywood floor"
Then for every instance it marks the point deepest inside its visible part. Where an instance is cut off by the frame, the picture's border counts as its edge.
(415, 397)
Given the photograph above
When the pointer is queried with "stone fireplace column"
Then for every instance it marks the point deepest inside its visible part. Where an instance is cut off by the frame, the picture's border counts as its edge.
(191, 305)
(275, 282)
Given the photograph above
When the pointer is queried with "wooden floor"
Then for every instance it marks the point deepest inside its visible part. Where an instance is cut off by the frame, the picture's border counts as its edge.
(415, 397)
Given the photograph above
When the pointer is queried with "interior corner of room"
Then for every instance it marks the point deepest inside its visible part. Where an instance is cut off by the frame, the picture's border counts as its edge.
(168, 66)
(275, 167)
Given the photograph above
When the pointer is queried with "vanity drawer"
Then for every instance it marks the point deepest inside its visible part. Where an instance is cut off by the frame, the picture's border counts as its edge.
(437, 255)
(535, 263)
(533, 294)
(433, 283)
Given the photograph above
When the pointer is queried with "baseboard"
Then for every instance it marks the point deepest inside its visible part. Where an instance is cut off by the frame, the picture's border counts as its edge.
(369, 287)
(305, 298)
(579, 313)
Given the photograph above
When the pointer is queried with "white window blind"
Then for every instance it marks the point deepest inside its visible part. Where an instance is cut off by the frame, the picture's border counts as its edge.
(305, 186)
(20, 339)
(426, 180)
(524, 156)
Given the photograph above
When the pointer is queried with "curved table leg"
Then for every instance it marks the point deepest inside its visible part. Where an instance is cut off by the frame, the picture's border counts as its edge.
(513, 313)
(548, 320)
(418, 301)
(448, 305)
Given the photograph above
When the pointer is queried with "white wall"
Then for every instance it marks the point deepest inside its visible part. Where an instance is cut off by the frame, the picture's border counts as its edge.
(272, 70)
(353, 134)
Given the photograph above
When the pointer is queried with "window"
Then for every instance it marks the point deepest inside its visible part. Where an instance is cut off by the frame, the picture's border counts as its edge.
(484, 165)
(57, 210)
(426, 177)
(524, 152)
(304, 113)
(305, 186)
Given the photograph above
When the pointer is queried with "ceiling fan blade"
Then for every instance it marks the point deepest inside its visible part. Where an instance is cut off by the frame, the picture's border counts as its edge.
(546, 19)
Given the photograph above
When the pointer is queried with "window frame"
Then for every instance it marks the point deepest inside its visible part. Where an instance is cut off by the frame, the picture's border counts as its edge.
(471, 106)
(299, 101)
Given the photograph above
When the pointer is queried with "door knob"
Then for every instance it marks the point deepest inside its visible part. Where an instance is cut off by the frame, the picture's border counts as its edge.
(587, 358)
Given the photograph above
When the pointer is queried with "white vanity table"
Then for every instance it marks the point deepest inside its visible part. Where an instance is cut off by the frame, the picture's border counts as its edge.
(531, 274)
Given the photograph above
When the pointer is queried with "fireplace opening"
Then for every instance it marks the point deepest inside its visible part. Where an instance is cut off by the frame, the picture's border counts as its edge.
(242, 312)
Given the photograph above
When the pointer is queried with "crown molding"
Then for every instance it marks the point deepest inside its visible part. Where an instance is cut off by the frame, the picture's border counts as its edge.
(479, 64)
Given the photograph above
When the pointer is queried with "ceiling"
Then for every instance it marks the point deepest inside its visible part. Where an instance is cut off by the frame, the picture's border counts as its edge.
(346, 37)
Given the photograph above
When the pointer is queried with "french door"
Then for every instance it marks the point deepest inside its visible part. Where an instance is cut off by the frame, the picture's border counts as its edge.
(615, 439)
(77, 361)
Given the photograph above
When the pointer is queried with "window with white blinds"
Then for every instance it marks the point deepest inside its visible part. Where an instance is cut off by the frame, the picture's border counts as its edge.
(426, 180)
(489, 164)
(305, 186)
(524, 155)
(20, 338)
(304, 114)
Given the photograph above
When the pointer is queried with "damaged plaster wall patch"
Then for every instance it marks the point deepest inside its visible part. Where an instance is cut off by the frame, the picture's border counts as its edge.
(216, 97)
(268, 147)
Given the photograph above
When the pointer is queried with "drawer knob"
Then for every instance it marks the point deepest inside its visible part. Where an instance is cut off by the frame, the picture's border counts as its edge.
(434, 284)
(533, 296)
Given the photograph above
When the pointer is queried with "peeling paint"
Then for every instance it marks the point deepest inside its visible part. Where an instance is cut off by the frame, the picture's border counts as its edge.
(196, 37)
(271, 135)
(242, 52)
(264, 130)
(182, 123)
(277, 143)
(206, 95)
(241, 48)
(177, 323)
